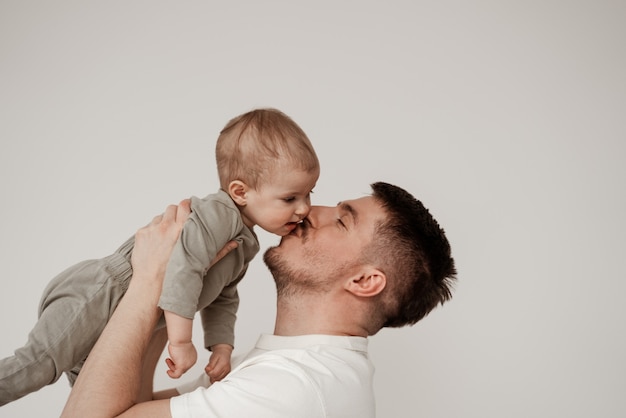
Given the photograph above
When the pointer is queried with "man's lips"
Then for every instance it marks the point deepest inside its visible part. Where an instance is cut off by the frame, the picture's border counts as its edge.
(300, 228)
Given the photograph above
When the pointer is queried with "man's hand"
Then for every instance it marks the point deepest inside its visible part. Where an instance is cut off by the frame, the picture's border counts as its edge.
(154, 242)
(228, 247)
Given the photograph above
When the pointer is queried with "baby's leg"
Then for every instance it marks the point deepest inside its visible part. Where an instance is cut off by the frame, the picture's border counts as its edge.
(75, 308)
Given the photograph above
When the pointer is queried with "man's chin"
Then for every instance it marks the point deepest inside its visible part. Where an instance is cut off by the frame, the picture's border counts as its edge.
(287, 237)
(272, 259)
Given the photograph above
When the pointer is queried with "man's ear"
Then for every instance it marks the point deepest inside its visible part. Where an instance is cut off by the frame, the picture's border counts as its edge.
(237, 190)
(370, 282)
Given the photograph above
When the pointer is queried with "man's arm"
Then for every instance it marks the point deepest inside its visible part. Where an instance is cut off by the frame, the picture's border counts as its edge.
(110, 381)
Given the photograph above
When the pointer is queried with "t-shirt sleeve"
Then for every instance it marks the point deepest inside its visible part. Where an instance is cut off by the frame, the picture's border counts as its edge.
(272, 387)
(202, 381)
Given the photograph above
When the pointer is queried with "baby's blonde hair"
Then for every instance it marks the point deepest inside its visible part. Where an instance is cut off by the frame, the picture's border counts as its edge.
(252, 145)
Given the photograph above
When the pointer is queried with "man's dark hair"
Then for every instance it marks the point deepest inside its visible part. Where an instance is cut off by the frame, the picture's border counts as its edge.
(415, 254)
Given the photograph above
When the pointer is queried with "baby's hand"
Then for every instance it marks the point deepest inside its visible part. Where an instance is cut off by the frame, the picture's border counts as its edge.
(182, 358)
(219, 363)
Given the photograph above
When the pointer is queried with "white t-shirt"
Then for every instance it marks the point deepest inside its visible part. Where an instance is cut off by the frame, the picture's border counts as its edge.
(302, 376)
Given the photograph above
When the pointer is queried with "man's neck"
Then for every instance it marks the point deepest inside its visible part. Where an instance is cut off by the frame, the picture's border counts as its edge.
(314, 315)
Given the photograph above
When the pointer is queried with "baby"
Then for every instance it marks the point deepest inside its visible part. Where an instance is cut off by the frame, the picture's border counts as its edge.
(267, 169)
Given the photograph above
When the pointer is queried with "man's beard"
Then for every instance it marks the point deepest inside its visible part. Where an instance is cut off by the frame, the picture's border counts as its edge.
(290, 281)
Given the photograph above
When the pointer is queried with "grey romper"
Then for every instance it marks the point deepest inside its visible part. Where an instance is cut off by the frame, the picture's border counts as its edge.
(77, 304)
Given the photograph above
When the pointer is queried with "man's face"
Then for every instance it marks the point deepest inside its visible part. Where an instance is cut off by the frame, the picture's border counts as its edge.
(327, 246)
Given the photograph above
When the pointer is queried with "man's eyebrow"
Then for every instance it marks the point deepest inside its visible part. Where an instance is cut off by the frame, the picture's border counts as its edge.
(349, 209)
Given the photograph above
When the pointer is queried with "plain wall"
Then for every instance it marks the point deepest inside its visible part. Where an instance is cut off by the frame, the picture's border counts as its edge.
(507, 119)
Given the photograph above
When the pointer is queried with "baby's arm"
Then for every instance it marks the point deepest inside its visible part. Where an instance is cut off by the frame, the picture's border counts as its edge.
(218, 322)
(183, 354)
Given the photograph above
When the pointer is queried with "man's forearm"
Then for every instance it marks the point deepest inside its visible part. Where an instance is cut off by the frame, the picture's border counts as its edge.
(110, 381)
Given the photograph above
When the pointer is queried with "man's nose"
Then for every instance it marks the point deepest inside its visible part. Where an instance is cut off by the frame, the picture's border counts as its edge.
(319, 215)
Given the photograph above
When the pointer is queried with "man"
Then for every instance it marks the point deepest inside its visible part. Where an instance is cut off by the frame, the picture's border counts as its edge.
(373, 262)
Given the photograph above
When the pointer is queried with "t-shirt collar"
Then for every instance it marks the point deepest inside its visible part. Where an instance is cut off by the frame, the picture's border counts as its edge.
(278, 342)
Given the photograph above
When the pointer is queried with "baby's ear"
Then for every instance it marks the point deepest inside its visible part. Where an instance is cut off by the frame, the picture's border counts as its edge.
(369, 282)
(237, 190)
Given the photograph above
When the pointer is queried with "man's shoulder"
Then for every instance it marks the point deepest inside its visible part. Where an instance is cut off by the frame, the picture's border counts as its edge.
(313, 363)
(316, 377)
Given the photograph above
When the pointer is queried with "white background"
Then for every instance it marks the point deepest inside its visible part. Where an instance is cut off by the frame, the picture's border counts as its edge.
(506, 118)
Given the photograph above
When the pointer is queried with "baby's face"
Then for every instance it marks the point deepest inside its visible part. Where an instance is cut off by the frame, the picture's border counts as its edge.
(279, 205)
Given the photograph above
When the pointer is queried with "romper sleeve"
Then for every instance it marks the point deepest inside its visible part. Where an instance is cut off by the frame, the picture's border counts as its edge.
(218, 318)
(210, 226)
